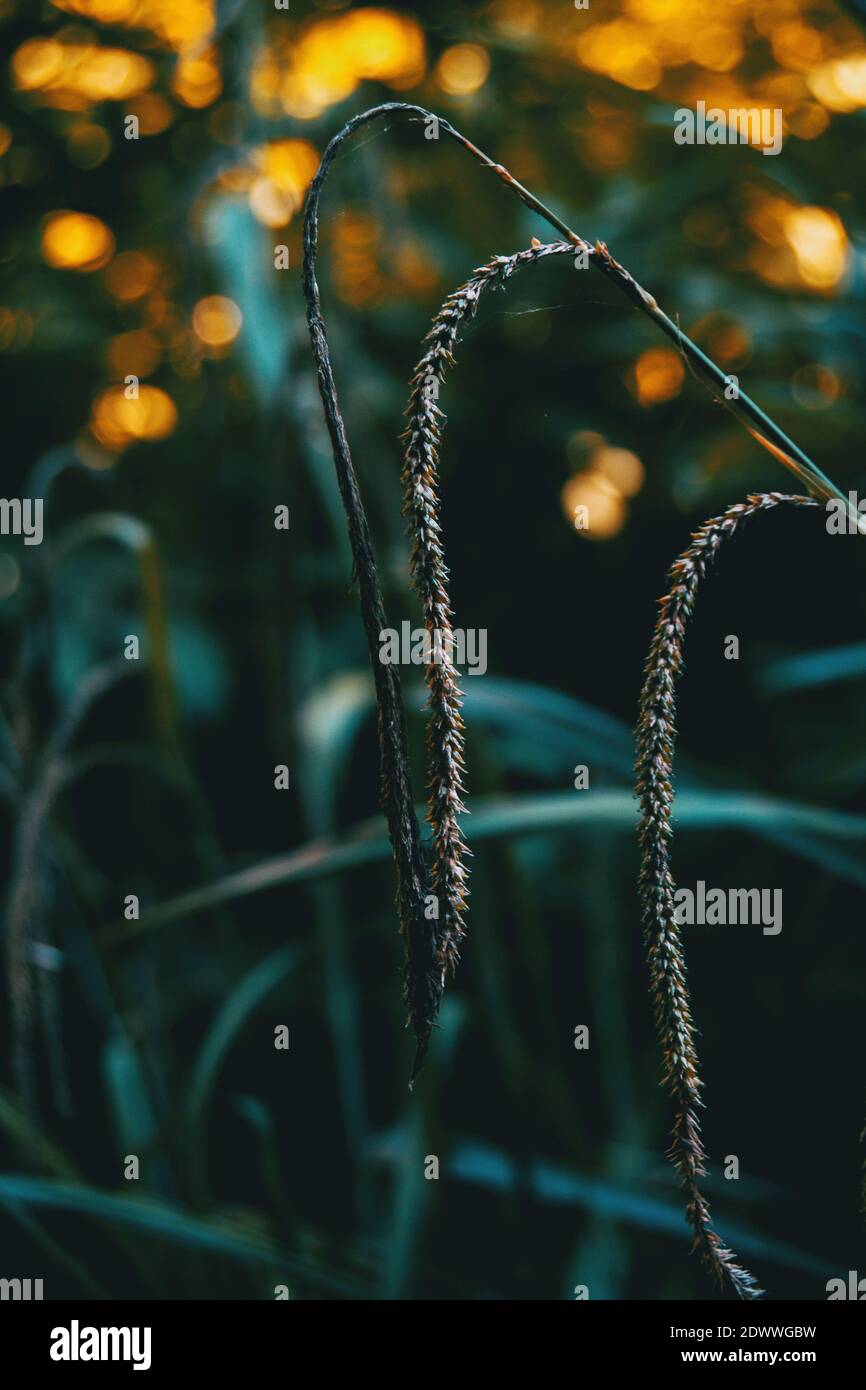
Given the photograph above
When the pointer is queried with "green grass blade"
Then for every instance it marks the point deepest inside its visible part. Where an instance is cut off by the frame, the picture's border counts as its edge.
(166, 1221)
(236, 1010)
(610, 809)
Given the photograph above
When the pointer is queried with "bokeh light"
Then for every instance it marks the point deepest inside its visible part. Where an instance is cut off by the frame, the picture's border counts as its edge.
(89, 144)
(621, 467)
(130, 275)
(286, 168)
(321, 63)
(804, 247)
(76, 241)
(620, 50)
(135, 353)
(463, 69)
(71, 76)
(604, 504)
(594, 499)
(180, 24)
(659, 374)
(217, 321)
(817, 238)
(815, 386)
(197, 81)
(118, 420)
(357, 278)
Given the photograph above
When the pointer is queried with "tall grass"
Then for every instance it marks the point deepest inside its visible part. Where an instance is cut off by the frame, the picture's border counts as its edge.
(430, 950)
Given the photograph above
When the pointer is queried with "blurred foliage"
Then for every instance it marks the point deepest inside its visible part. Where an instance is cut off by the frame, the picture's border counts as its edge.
(153, 162)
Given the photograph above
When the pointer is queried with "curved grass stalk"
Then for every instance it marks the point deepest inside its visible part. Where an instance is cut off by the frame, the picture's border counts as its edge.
(748, 412)
(424, 981)
(423, 988)
(656, 735)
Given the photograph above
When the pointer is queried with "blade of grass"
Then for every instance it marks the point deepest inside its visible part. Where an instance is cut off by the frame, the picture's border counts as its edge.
(166, 1221)
(807, 670)
(55, 1251)
(136, 537)
(244, 999)
(30, 1141)
(413, 1194)
(609, 808)
(328, 725)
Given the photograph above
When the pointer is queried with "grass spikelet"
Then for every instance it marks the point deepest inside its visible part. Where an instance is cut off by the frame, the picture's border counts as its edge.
(422, 440)
(655, 736)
